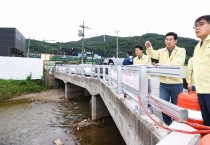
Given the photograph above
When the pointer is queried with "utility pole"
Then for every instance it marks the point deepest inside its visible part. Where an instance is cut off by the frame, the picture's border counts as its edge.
(104, 45)
(82, 34)
(117, 40)
(28, 46)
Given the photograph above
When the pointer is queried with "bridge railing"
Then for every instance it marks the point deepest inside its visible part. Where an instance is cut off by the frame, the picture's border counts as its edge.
(132, 80)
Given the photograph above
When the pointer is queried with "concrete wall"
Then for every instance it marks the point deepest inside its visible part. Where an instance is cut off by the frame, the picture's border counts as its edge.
(99, 109)
(136, 129)
(19, 68)
(73, 91)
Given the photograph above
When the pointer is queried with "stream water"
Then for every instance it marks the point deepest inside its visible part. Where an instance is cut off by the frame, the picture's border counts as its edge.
(26, 122)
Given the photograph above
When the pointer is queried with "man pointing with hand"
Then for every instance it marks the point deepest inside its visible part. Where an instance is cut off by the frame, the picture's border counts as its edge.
(171, 55)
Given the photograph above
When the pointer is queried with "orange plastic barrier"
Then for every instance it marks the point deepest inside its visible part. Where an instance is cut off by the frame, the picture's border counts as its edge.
(189, 101)
(205, 140)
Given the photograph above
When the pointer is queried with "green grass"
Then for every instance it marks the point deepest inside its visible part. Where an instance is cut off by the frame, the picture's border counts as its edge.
(12, 88)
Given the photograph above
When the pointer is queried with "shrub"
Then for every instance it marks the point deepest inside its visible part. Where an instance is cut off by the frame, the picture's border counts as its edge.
(12, 88)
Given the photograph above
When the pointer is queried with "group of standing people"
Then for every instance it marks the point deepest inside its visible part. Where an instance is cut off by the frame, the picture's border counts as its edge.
(198, 67)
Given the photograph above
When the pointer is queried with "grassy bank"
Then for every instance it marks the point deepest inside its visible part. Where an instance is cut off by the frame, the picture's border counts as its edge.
(12, 88)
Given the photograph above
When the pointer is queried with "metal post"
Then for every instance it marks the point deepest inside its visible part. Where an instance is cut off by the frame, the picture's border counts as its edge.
(98, 68)
(143, 86)
(56, 68)
(104, 75)
(28, 47)
(119, 80)
(69, 69)
(91, 75)
(109, 75)
(76, 69)
(83, 70)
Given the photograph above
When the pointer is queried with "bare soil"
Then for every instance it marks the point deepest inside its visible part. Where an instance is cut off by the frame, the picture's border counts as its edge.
(55, 95)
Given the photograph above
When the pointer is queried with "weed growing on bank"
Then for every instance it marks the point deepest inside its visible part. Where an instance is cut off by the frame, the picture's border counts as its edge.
(12, 88)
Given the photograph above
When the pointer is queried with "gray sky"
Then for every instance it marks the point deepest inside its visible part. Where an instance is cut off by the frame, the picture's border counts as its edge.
(59, 20)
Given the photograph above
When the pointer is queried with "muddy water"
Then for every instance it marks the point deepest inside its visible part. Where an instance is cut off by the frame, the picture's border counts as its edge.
(24, 122)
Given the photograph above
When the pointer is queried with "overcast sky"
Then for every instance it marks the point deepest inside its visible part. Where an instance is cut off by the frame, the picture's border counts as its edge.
(59, 20)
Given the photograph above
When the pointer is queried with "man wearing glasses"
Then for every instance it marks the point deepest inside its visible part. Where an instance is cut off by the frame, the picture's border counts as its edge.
(201, 66)
(170, 55)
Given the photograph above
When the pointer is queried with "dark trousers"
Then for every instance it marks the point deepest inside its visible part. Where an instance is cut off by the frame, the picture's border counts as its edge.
(170, 92)
(193, 88)
(204, 101)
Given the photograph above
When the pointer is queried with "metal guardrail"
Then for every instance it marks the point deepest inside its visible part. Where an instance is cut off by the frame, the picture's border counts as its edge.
(170, 71)
(132, 80)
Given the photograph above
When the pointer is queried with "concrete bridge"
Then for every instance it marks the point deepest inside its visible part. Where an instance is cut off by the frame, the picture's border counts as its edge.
(114, 91)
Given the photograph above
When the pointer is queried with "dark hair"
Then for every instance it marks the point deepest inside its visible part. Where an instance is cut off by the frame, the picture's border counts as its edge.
(172, 34)
(139, 46)
(204, 17)
(129, 52)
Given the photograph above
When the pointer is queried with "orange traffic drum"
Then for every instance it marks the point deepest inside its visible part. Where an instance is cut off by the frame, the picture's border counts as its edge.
(189, 101)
